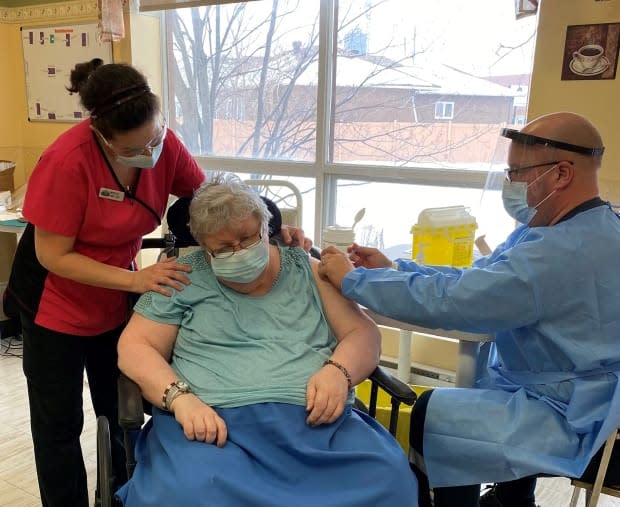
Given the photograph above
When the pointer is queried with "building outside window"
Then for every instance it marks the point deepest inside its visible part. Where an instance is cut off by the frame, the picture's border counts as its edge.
(349, 102)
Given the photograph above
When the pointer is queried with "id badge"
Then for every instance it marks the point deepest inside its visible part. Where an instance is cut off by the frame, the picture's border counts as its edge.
(109, 193)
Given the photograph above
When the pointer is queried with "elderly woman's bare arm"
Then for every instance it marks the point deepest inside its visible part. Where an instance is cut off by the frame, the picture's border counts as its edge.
(144, 349)
(359, 339)
(355, 356)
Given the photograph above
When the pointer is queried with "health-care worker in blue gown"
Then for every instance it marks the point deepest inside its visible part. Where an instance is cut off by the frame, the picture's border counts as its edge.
(549, 395)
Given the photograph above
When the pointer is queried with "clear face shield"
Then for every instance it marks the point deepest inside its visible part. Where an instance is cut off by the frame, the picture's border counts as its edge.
(493, 221)
(517, 154)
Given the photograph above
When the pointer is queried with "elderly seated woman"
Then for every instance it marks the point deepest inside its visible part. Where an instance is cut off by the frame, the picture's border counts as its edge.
(253, 366)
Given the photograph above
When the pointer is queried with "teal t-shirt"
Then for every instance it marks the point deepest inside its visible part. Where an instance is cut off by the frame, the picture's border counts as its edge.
(234, 349)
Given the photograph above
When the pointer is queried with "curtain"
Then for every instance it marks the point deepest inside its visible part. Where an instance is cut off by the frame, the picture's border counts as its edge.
(111, 26)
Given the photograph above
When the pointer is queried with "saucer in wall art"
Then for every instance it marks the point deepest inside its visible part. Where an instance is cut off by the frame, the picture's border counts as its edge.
(576, 67)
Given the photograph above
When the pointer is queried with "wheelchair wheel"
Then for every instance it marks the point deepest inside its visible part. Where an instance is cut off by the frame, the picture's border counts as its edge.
(104, 464)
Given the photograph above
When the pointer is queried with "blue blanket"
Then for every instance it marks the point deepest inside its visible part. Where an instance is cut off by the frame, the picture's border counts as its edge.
(271, 458)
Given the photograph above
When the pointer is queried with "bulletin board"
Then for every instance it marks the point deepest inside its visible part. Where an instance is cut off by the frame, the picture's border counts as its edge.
(50, 53)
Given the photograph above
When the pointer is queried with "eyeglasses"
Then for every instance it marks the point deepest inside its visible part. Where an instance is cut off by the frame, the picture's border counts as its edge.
(229, 251)
(510, 171)
(151, 145)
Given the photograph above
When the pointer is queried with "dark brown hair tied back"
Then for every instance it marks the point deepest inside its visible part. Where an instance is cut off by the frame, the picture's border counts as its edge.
(120, 97)
(80, 74)
(116, 95)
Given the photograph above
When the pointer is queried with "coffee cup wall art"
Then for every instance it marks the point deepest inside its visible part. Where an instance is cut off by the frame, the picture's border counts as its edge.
(591, 51)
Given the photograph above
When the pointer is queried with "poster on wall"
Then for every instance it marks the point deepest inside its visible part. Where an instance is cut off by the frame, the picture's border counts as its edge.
(591, 51)
(50, 53)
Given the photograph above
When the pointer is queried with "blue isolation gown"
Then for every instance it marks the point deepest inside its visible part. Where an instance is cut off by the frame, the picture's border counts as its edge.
(549, 394)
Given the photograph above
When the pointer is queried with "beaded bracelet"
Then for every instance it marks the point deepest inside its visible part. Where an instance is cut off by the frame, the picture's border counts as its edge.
(342, 369)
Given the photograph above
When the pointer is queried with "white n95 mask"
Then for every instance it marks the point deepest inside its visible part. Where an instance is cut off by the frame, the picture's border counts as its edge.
(244, 265)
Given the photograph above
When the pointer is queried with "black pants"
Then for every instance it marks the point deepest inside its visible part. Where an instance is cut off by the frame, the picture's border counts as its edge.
(517, 493)
(612, 477)
(54, 365)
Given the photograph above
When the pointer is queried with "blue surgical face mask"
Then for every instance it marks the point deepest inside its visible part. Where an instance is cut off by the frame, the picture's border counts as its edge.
(142, 161)
(243, 266)
(514, 197)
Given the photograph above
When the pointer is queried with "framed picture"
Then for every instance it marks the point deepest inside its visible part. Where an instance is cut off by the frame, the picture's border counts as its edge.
(591, 52)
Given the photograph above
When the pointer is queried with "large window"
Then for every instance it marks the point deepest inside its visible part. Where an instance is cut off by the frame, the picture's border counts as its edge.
(391, 105)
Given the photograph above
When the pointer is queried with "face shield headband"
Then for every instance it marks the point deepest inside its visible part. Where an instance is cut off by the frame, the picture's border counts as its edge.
(531, 140)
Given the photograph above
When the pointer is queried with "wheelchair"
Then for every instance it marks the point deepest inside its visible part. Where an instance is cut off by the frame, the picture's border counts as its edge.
(132, 407)
(131, 417)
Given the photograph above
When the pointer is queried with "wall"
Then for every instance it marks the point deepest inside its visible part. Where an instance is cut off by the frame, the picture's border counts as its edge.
(144, 49)
(596, 100)
(12, 101)
(20, 140)
(23, 141)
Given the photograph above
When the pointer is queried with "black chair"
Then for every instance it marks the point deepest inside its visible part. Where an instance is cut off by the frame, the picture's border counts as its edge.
(132, 407)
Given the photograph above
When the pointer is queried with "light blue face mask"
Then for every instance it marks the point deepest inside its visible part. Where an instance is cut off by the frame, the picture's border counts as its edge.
(514, 197)
(243, 266)
(142, 161)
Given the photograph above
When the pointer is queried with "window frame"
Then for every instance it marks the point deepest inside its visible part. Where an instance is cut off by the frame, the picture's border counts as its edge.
(444, 105)
(325, 172)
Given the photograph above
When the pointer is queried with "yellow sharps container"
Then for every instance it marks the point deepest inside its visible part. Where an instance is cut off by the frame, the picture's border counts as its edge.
(444, 237)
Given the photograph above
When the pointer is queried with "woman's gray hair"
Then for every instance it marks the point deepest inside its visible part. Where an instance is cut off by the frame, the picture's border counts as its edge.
(224, 200)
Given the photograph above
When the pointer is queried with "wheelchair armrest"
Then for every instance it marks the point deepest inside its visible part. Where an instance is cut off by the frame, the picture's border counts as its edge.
(393, 386)
(399, 393)
(130, 407)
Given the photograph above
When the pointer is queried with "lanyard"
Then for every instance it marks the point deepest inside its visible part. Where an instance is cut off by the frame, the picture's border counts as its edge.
(126, 191)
